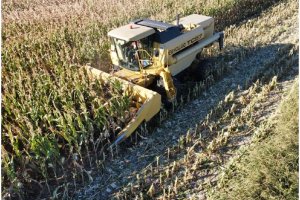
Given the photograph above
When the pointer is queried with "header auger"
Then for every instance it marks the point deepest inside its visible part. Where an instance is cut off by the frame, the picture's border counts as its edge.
(145, 50)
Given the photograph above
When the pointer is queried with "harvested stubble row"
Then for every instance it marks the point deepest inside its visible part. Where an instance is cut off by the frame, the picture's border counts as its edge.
(179, 169)
(53, 121)
(190, 166)
(273, 155)
(175, 173)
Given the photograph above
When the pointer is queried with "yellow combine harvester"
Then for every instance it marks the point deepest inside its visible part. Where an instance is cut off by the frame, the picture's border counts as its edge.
(145, 51)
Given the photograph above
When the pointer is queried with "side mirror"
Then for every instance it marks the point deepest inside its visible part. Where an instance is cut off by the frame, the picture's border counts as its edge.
(156, 52)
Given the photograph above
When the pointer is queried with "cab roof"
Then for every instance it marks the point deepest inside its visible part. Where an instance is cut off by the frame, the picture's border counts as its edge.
(131, 32)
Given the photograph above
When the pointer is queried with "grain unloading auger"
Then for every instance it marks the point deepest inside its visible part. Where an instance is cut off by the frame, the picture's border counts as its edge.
(148, 54)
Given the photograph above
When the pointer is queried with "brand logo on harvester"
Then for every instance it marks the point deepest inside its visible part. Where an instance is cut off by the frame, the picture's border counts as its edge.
(186, 44)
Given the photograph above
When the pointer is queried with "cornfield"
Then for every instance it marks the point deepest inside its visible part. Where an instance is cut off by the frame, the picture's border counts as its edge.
(56, 119)
(51, 117)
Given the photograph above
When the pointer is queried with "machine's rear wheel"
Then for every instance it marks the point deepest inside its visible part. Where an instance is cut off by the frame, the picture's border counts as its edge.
(194, 73)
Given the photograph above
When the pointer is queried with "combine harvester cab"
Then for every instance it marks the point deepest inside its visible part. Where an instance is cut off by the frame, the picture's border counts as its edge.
(149, 102)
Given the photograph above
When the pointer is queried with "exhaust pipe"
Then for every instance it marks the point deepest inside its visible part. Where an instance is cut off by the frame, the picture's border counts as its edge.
(177, 19)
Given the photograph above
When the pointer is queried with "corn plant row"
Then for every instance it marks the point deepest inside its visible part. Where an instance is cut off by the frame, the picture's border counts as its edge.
(54, 119)
(52, 122)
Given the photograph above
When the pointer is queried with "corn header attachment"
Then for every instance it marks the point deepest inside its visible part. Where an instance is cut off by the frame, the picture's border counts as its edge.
(148, 102)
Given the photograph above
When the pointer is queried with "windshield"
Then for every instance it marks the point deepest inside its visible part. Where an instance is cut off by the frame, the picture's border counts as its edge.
(127, 54)
(133, 54)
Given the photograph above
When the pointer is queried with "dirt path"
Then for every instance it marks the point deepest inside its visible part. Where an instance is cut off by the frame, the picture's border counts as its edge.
(264, 40)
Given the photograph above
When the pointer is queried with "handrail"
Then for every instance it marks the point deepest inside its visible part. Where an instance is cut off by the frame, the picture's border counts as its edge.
(140, 60)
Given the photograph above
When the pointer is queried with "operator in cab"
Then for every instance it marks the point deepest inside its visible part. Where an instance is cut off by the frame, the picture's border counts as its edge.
(131, 55)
